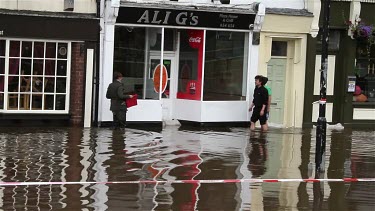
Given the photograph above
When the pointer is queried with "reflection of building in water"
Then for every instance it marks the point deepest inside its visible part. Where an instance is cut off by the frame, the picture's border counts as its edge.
(46, 157)
(276, 159)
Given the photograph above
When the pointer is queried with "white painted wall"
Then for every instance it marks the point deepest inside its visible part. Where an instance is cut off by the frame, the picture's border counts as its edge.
(315, 113)
(294, 4)
(364, 114)
(330, 74)
(145, 111)
(225, 111)
(80, 6)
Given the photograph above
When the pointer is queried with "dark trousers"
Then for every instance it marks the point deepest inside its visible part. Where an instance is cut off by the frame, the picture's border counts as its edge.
(119, 118)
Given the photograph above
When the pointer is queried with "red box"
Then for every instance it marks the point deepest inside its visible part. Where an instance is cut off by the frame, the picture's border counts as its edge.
(130, 102)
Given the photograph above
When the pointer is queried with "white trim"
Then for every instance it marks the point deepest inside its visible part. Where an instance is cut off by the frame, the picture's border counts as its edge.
(32, 59)
(68, 73)
(180, 27)
(363, 114)
(161, 64)
(203, 62)
(88, 89)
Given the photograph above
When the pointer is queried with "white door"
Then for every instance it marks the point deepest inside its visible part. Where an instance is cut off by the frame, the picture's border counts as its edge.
(276, 72)
(170, 93)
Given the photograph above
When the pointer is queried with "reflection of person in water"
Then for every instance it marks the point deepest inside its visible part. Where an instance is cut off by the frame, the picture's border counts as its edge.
(258, 155)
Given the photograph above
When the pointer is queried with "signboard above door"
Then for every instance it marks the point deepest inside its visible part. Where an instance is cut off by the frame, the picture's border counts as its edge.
(185, 18)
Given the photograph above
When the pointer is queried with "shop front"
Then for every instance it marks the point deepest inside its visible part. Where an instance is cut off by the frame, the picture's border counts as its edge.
(183, 64)
(43, 60)
(351, 67)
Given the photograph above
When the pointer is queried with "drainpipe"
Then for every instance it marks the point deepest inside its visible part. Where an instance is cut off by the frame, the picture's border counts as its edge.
(98, 57)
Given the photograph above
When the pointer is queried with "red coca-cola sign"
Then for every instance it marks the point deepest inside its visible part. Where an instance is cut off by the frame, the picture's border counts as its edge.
(195, 38)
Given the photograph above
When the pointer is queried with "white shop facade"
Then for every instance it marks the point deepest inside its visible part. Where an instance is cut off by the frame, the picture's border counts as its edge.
(187, 63)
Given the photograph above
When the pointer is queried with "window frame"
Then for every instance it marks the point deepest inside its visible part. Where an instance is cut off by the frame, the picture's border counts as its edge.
(6, 92)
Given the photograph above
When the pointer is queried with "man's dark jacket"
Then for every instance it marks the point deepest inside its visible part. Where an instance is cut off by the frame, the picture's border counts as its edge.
(115, 92)
(260, 97)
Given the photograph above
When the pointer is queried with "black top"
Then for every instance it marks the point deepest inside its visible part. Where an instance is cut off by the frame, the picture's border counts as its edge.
(260, 97)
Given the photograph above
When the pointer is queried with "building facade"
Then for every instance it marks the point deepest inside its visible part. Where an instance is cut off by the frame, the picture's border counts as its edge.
(351, 67)
(47, 60)
(196, 61)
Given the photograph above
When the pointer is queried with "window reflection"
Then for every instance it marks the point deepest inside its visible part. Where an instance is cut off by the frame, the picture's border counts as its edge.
(225, 66)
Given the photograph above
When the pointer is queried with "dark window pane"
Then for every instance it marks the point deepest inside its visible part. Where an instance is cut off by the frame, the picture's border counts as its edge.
(27, 49)
(37, 84)
(60, 85)
(14, 49)
(2, 65)
(61, 67)
(48, 102)
(129, 52)
(224, 66)
(168, 40)
(26, 67)
(50, 50)
(2, 47)
(1, 101)
(49, 84)
(37, 102)
(14, 65)
(60, 102)
(279, 48)
(25, 84)
(38, 49)
(13, 83)
(50, 67)
(13, 101)
(24, 101)
(38, 67)
(1, 83)
(62, 51)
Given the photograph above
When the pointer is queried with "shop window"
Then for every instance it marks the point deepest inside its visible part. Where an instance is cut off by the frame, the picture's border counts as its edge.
(365, 73)
(190, 68)
(225, 66)
(36, 76)
(134, 54)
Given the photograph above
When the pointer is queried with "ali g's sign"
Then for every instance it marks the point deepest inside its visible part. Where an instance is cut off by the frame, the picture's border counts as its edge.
(1, 33)
(188, 18)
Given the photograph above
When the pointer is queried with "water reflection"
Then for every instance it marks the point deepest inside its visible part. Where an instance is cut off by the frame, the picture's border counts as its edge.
(71, 154)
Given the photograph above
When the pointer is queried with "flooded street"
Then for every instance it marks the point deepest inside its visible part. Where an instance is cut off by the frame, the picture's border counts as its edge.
(102, 154)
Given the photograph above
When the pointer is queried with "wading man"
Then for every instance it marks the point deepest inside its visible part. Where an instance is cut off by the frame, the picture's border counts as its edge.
(259, 105)
(115, 92)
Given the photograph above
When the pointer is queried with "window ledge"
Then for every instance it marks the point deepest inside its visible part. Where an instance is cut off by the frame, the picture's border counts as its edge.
(364, 104)
(34, 116)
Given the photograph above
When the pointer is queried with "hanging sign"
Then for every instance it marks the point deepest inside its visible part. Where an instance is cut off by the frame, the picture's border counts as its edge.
(187, 18)
(156, 78)
(195, 38)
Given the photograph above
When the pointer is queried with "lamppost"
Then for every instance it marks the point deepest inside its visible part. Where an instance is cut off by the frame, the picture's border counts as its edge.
(322, 122)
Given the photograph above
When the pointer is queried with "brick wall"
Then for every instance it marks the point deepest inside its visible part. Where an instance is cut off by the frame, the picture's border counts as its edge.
(77, 84)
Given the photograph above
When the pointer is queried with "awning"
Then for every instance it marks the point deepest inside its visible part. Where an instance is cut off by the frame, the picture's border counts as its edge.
(240, 17)
(48, 25)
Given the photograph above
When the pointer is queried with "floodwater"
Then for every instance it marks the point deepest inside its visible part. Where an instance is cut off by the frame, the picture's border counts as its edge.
(102, 154)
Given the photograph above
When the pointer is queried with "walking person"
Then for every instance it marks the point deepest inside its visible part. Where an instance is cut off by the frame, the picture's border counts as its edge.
(259, 104)
(115, 92)
(269, 97)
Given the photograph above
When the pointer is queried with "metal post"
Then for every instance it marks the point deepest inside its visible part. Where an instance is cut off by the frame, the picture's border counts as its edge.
(322, 122)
